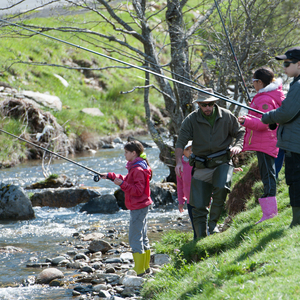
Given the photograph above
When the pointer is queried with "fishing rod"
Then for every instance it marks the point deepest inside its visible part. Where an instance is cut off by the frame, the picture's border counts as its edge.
(232, 50)
(166, 70)
(97, 175)
(134, 66)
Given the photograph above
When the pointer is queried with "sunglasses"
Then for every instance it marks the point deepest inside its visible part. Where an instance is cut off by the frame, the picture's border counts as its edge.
(207, 104)
(253, 79)
(286, 64)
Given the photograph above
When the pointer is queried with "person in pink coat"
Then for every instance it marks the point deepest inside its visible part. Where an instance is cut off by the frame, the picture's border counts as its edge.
(136, 187)
(184, 184)
(260, 138)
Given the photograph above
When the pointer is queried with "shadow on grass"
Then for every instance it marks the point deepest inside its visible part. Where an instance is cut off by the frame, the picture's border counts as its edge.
(202, 249)
(262, 243)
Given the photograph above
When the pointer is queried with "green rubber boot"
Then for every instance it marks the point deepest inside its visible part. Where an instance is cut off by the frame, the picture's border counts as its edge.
(139, 263)
(296, 216)
(147, 261)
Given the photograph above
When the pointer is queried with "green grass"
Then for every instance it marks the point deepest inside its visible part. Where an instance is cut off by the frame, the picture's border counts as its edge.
(10, 149)
(78, 95)
(121, 111)
(247, 261)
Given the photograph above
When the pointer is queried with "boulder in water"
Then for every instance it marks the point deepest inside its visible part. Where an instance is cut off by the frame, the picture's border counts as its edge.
(14, 203)
(106, 204)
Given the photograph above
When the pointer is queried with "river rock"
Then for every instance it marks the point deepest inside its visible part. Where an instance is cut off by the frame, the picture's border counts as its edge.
(106, 204)
(57, 260)
(93, 111)
(48, 275)
(163, 193)
(104, 295)
(44, 99)
(93, 236)
(64, 197)
(14, 204)
(99, 245)
(99, 287)
(51, 182)
(120, 196)
(132, 281)
(161, 259)
(9, 249)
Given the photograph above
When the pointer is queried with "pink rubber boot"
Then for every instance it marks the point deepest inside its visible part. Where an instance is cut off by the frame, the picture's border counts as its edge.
(268, 207)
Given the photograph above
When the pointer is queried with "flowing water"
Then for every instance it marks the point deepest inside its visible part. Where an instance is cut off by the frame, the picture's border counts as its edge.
(47, 235)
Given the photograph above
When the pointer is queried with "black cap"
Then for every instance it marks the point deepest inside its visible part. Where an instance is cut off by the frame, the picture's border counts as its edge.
(293, 53)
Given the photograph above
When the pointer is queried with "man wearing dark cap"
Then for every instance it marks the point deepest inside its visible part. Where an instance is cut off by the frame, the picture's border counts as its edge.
(212, 130)
(288, 133)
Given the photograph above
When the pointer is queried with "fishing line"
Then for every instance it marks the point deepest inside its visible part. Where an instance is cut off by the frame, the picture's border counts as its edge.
(96, 177)
(152, 63)
(134, 66)
(232, 50)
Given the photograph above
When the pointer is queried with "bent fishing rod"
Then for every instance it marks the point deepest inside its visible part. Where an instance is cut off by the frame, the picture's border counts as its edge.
(135, 66)
(97, 175)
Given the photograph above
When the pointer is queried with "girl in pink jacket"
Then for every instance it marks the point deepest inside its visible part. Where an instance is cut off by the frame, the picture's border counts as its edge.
(184, 183)
(136, 186)
(260, 138)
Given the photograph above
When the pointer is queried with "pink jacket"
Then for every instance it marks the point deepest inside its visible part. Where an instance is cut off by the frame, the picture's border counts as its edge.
(184, 183)
(136, 184)
(258, 136)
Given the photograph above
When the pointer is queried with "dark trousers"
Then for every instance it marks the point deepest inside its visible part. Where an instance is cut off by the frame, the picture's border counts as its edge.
(292, 176)
(279, 161)
(266, 165)
(190, 211)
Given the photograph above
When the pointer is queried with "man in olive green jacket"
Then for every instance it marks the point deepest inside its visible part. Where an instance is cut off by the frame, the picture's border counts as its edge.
(216, 135)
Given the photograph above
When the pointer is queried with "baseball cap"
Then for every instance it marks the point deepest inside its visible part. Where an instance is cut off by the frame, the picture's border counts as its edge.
(189, 144)
(292, 53)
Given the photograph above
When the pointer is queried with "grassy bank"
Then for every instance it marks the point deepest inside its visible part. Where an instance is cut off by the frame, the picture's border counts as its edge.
(24, 67)
(247, 261)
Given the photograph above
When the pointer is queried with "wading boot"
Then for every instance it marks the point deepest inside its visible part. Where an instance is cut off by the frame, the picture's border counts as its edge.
(199, 198)
(296, 216)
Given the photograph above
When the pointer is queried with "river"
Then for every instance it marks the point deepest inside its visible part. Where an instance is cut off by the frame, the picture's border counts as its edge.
(46, 236)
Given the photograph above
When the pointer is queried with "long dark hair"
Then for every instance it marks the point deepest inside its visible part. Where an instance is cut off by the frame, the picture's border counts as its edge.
(138, 148)
(265, 74)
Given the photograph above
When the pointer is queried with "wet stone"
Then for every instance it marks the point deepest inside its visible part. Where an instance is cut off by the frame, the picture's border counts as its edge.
(110, 270)
(38, 265)
(99, 287)
(81, 256)
(87, 269)
(55, 261)
(56, 282)
(113, 261)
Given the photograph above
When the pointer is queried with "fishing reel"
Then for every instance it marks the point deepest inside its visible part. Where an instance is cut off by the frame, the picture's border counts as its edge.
(96, 178)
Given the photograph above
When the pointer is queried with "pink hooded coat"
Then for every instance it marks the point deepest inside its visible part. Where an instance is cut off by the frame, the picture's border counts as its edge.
(136, 184)
(184, 183)
(258, 136)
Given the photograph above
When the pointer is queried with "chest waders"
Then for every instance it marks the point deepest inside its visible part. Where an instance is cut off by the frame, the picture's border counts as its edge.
(201, 193)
